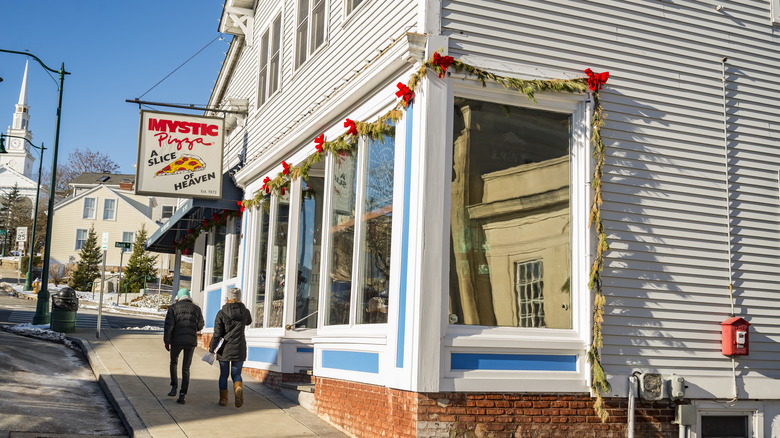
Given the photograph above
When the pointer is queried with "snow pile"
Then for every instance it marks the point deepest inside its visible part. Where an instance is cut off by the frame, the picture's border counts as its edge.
(156, 302)
(39, 332)
(146, 327)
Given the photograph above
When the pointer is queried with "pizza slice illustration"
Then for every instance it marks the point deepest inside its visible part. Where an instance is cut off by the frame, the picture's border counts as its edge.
(187, 163)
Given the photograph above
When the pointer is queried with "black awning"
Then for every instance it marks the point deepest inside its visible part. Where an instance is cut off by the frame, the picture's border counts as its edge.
(191, 214)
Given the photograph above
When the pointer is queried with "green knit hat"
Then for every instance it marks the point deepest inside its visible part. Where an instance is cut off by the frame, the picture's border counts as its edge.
(183, 292)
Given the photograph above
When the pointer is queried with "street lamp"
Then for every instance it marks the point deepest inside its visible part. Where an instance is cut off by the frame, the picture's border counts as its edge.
(28, 281)
(42, 309)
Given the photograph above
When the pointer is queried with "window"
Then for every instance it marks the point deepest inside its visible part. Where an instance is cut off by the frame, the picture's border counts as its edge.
(775, 12)
(269, 57)
(167, 211)
(725, 426)
(352, 5)
(309, 241)
(109, 209)
(263, 221)
(81, 237)
(218, 254)
(89, 208)
(128, 236)
(310, 29)
(371, 259)
(510, 223)
(279, 262)
(236, 231)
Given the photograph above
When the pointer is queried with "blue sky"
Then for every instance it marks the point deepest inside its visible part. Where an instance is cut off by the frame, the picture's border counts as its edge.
(114, 50)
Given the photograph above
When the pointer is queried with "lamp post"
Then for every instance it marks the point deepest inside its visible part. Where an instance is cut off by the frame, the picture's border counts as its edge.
(42, 309)
(28, 281)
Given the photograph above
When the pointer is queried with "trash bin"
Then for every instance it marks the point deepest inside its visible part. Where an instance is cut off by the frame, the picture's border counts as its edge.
(63, 310)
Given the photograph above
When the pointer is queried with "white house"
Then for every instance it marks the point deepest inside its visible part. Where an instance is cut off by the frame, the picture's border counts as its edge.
(436, 282)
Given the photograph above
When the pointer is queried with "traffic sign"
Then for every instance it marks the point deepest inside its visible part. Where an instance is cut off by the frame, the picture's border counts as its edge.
(123, 245)
(3, 232)
(105, 241)
(21, 234)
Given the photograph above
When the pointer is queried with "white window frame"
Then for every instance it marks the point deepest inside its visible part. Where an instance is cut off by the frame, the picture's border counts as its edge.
(132, 234)
(86, 236)
(349, 12)
(524, 340)
(264, 95)
(162, 211)
(753, 410)
(308, 50)
(775, 12)
(84, 208)
(105, 202)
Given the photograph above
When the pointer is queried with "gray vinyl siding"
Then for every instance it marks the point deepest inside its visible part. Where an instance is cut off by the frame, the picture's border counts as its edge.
(347, 48)
(665, 207)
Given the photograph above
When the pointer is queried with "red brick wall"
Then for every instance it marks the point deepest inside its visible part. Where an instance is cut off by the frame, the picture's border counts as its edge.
(367, 410)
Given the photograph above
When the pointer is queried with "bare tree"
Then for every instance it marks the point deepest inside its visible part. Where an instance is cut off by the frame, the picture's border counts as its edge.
(78, 162)
(57, 272)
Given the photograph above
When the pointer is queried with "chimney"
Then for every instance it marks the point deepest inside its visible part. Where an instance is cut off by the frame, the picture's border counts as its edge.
(128, 186)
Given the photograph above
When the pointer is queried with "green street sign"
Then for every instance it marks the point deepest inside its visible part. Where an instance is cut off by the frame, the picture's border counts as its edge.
(124, 245)
(3, 232)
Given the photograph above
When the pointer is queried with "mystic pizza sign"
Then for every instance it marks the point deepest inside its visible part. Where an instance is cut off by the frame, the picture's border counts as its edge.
(180, 155)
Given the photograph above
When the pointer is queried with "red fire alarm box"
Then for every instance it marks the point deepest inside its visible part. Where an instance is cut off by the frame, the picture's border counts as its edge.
(735, 336)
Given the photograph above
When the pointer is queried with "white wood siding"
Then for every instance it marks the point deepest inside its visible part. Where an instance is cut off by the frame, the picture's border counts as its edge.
(665, 207)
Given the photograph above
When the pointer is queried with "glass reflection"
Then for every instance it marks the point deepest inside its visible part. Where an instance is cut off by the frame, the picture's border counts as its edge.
(218, 258)
(263, 220)
(309, 241)
(279, 262)
(342, 234)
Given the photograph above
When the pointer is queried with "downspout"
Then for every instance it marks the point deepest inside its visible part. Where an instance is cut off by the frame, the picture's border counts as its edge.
(632, 381)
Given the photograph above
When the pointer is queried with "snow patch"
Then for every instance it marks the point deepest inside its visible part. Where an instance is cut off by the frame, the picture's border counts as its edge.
(40, 331)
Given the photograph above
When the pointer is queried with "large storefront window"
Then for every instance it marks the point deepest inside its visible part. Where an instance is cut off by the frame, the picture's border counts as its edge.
(342, 234)
(279, 262)
(510, 223)
(218, 255)
(236, 231)
(377, 220)
(263, 220)
(309, 247)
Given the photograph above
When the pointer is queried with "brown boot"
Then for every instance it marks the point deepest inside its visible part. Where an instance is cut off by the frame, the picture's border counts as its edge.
(223, 397)
(238, 389)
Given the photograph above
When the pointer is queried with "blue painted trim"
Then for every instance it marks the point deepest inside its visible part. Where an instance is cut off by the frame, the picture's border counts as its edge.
(304, 350)
(401, 338)
(513, 362)
(351, 361)
(262, 354)
(213, 300)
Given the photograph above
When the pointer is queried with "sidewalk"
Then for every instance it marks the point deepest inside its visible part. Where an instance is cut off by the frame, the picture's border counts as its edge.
(132, 368)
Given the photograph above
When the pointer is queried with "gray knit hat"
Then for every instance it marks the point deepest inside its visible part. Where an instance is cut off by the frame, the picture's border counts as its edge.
(234, 294)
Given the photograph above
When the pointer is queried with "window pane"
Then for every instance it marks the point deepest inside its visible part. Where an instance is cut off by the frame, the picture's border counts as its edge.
(724, 426)
(89, 208)
(236, 232)
(279, 263)
(218, 260)
(109, 208)
(167, 211)
(342, 232)
(377, 225)
(128, 236)
(509, 221)
(352, 4)
(317, 26)
(309, 241)
(81, 237)
(261, 77)
(262, 256)
(300, 43)
(273, 81)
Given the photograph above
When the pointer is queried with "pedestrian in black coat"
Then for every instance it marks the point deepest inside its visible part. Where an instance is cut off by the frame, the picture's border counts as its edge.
(229, 326)
(182, 323)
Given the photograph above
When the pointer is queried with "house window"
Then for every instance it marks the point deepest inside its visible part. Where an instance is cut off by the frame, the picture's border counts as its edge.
(218, 255)
(310, 29)
(128, 236)
(510, 223)
(352, 5)
(279, 262)
(81, 237)
(109, 209)
(370, 259)
(89, 208)
(236, 232)
(263, 221)
(723, 426)
(309, 241)
(167, 211)
(269, 61)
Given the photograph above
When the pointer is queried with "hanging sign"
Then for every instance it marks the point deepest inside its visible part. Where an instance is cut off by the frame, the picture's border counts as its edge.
(180, 155)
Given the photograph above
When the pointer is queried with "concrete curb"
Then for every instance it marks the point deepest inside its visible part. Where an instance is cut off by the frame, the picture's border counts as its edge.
(127, 413)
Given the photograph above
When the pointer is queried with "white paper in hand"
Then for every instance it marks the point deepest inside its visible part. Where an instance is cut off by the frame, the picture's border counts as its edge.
(208, 358)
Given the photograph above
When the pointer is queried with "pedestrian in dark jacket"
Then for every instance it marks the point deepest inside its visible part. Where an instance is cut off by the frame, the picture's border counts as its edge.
(229, 325)
(182, 323)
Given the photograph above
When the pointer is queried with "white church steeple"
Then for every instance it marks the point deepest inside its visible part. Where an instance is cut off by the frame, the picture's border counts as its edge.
(19, 157)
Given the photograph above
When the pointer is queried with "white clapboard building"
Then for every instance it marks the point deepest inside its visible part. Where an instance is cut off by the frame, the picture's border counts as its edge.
(437, 280)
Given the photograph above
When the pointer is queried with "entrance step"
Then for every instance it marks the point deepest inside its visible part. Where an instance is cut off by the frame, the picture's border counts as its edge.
(301, 393)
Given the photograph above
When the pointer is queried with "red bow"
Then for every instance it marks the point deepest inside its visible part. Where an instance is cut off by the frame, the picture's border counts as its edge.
(282, 190)
(241, 206)
(596, 80)
(186, 251)
(443, 62)
(351, 125)
(286, 168)
(205, 223)
(265, 185)
(190, 231)
(405, 94)
(318, 142)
